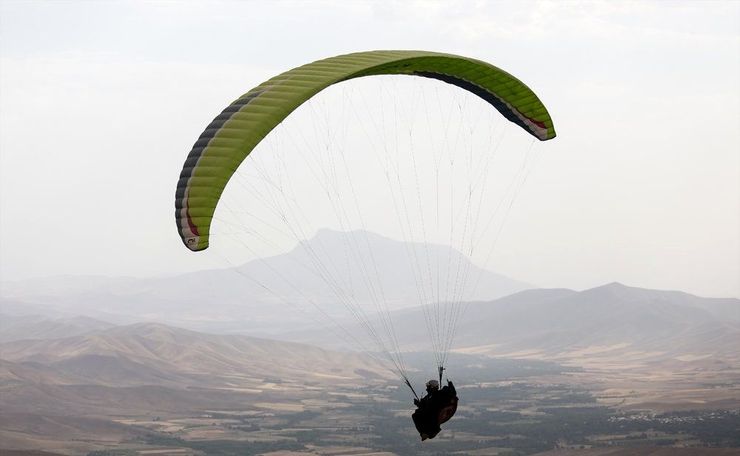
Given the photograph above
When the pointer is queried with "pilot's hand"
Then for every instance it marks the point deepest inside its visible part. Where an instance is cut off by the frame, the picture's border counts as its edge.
(416, 402)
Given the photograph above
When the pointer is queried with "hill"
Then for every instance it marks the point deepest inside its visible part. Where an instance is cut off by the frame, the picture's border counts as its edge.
(148, 353)
(561, 324)
(18, 327)
(244, 299)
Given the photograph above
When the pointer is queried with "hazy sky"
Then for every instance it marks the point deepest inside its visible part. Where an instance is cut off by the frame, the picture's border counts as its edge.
(101, 101)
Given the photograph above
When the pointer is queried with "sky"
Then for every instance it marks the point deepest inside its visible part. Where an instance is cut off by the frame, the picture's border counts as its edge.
(100, 103)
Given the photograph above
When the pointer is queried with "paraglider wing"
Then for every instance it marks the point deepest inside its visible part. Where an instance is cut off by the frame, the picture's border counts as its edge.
(234, 133)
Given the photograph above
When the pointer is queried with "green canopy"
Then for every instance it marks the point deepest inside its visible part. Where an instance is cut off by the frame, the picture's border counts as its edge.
(233, 134)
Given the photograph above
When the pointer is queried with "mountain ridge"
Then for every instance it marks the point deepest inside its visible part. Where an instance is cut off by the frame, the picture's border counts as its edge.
(557, 323)
(152, 353)
(223, 300)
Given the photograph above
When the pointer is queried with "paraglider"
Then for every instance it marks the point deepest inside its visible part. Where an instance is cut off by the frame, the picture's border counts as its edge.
(434, 409)
(241, 126)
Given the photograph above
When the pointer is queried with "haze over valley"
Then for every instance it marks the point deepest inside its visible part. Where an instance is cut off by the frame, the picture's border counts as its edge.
(95, 364)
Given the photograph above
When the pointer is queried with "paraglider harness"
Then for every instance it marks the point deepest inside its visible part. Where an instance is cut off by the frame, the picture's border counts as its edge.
(434, 409)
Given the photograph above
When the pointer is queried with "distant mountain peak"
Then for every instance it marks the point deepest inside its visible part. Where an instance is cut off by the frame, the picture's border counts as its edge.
(620, 289)
(611, 288)
(150, 329)
(327, 268)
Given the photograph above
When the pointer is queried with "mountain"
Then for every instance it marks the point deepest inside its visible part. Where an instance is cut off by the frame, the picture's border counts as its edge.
(329, 269)
(147, 369)
(13, 327)
(614, 316)
(156, 385)
(613, 319)
(150, 353)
